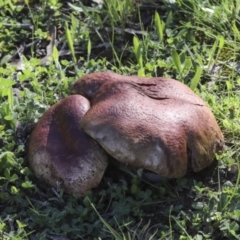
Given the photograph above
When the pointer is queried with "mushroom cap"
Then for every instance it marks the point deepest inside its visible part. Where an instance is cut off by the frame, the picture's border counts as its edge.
(60, 152)
(157, 124)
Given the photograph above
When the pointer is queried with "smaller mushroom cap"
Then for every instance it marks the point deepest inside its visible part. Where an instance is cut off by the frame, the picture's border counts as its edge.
(61, 153)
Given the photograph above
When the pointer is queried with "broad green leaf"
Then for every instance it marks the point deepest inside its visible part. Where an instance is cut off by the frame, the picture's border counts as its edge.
(141, 72)
(9, 118)
(13, 178)
(234, 226)
(5, 59)
(7, 158)
(198, 237)
(9, 177)
(6, 83)
(7, 173)
(27, 184)
(4, 92)
(14, 190)
(2, 226)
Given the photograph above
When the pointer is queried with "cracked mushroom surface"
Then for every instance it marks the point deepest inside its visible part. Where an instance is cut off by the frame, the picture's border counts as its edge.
(61, 153)
(158, 124)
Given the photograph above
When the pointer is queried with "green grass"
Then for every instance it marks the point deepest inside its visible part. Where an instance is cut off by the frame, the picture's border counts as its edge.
(196, 42)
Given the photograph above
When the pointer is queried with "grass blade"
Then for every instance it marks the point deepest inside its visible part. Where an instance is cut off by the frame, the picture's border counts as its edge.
(137, 51)
(196, 78)
(176, 60)
(160, 25)
(70, 43)
(114, 233)
(10, 97)
(89, 48)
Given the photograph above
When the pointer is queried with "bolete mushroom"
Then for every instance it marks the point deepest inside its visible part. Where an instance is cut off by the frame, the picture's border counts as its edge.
(61, 153)
(158, 124)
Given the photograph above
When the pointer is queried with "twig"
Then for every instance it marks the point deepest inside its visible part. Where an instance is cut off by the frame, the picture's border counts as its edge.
(19, 25)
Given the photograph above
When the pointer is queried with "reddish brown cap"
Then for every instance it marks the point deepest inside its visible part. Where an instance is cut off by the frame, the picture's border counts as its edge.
(154, 123)
(61, 153)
